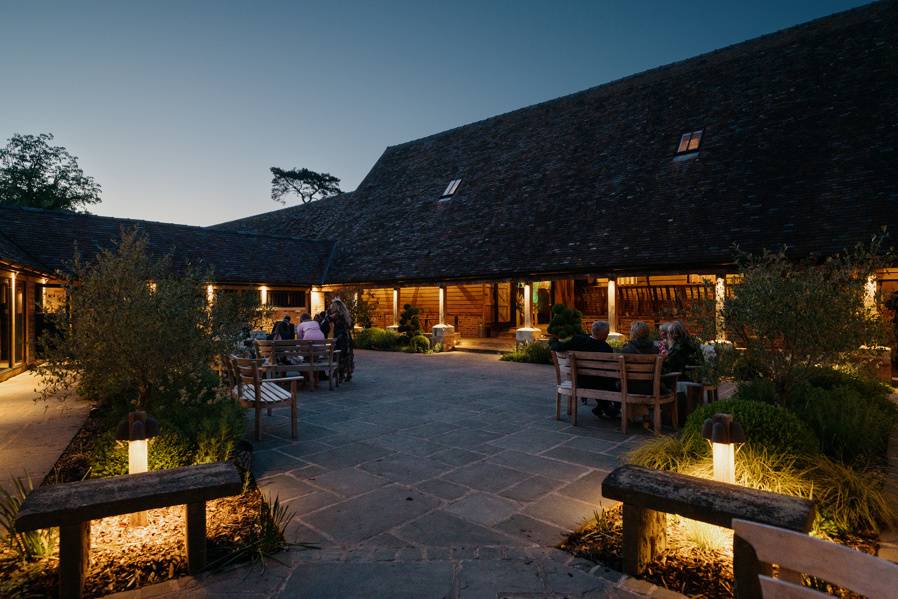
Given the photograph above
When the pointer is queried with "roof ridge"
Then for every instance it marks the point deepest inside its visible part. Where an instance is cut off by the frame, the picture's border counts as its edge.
(278, 210)
(70, 214)
(837, 20)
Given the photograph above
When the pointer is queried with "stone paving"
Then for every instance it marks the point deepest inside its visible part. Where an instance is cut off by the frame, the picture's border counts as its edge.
(33, 434)
(431, 476)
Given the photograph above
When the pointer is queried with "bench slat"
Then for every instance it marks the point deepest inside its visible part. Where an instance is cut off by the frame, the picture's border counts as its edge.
(705, 500)
(71, 503)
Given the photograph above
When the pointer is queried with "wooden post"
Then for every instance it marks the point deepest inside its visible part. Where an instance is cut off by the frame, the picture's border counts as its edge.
(74, 558)
(645, 535)
(195, 535)
(612, 304)
(720, 294)
(442, 304)
(395, 305)
(746, 569)
(528, 305)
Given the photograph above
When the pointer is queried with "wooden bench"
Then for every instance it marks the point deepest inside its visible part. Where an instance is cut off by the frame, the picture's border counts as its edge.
(71, 507)
(639, 377)
(647, 495)
(795, 554)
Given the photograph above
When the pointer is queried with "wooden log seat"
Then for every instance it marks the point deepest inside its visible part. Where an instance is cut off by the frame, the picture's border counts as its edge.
(71, 507)
(648, 494)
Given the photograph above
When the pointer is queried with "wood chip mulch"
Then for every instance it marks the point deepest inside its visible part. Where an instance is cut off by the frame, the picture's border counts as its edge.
(124, 558)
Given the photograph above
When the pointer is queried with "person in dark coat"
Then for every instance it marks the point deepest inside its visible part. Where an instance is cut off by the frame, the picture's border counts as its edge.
(339, 317)
(283, 329)
(594, 342)
(683, 349)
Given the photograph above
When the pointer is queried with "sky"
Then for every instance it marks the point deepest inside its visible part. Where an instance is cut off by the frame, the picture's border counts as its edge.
(179, 108)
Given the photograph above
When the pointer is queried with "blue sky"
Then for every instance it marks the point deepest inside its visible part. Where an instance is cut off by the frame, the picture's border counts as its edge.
(179, 108)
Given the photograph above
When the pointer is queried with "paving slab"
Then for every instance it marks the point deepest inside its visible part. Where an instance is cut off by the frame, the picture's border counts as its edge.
(430, 476)
(350, 520)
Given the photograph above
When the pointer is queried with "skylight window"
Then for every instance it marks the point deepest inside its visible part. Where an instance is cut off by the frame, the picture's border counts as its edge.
(690, 142)
(450, 189)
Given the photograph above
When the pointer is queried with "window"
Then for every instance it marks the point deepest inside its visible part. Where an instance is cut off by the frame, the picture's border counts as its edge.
(690, 142)
(450, 189)
(282, 298)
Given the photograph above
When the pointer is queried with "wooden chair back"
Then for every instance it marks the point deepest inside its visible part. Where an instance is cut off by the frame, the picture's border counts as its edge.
(607, 365)
(246, 372)
(798, 553)
(563, 362)
(641, 367)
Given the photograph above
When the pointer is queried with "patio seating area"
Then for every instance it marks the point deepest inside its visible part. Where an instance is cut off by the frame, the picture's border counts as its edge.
(460, 481)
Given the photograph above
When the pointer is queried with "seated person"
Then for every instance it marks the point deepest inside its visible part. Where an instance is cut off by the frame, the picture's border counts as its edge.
(640, 343)
(682, 349)
(283, 329)
(594, 342)
(309, 329)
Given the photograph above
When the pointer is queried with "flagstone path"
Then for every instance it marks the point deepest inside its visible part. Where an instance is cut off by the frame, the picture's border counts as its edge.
(431, 476)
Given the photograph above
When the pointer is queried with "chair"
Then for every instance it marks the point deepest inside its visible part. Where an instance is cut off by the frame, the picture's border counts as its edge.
(797, 553)
(254, 390)
(322, 359)
(564, 385)
(645, 372)
(292, 354)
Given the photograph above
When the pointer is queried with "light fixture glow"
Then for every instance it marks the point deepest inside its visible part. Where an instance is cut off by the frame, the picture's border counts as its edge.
(723, 433)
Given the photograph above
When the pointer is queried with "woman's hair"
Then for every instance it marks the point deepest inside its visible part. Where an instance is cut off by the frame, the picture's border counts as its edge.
(340, 309)
(678, 330)
(304, 317)
(638, 329)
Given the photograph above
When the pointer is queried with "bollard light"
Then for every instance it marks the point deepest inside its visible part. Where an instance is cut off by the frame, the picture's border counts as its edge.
(723, 433)
(136, 429)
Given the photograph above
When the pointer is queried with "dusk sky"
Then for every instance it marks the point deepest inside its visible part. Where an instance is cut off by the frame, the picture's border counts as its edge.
(178, 109)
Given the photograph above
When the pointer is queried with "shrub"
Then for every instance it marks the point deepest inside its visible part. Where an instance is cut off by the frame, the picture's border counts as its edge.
(377, 338)
(566, 322)
(536, 352)
(852, 427)
(850, 500)
(409, 323)
(756, 390)
(169, 450)
(664, 453)
(419, 344)
(766, 426)
(790, 314)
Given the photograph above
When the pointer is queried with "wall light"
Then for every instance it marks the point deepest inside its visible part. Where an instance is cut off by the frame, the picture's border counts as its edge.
(723, 433)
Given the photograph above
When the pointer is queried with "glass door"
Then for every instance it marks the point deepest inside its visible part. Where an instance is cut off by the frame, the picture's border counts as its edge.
(19, 325)
(5, 323)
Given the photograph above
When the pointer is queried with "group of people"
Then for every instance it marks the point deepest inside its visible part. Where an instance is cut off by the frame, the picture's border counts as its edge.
(336, 320)
(679, 348)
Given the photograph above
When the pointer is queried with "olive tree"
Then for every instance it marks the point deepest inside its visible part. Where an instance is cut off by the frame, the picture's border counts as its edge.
(139, 329)
(791, 316)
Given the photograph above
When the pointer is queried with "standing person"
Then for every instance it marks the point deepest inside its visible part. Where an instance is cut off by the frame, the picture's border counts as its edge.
(323, 322)
(308, 329)
(338, 316)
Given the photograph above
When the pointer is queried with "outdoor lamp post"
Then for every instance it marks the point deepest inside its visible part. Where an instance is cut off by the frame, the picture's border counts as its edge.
(723, 433)
(137, 429)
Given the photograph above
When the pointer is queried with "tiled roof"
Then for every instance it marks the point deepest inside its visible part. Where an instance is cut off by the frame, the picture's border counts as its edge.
(51, 239)
(800, 147)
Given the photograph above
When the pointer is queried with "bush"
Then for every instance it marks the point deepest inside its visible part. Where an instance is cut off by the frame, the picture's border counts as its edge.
(852, 424)
(536, 352)
(766, 426)
(566, 322)
(377, 338)
(756, 390)
(850, 500)
(169, 450)
(409, 322)
(419, 344)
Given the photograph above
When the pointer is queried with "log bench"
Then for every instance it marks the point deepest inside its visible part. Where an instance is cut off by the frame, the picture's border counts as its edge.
(71, 507)
(647, 495)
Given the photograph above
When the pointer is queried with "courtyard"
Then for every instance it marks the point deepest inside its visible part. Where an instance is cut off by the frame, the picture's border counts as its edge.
(430, 476)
